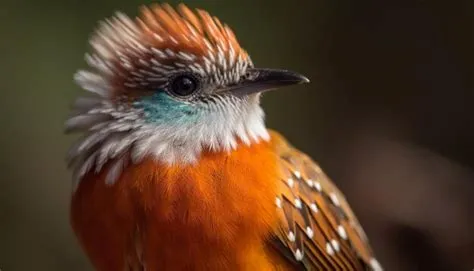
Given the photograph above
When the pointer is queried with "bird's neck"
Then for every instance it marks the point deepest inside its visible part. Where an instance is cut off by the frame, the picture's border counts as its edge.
(124, 136)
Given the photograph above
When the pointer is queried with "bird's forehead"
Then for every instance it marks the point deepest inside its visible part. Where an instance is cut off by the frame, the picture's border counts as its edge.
(163, 41)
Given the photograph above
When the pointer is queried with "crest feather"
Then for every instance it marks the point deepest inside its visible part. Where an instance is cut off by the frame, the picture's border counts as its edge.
(130, 54)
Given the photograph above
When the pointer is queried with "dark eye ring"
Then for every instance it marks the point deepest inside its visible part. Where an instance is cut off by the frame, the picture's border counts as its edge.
(184, 85)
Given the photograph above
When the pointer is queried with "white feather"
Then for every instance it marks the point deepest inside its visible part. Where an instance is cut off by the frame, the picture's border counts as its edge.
(114, 172)
(84, 104)
(93, 83)
(84, 122)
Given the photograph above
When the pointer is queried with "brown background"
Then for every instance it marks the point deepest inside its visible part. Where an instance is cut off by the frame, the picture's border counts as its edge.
(388, 114)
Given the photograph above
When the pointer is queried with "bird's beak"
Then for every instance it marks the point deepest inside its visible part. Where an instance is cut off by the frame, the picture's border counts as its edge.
(261, 80)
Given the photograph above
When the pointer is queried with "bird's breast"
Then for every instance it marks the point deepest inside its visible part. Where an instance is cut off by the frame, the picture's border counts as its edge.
(213, 215)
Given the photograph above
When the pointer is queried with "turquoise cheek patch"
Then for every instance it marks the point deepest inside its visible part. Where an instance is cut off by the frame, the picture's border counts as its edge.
(162, 108)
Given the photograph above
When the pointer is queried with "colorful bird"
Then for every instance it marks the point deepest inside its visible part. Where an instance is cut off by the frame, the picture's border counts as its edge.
(176, 170)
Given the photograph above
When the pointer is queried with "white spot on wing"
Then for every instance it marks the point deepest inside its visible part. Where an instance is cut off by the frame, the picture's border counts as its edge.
(298, 255)
(376, 266)
(342, 232)
(290, 182)
(334, 199)
(309, 232)
(278, 202)
(297, 174)
(329, 249)
(335, 245)
(318, 187)
(313, 207)
(298, 203)
(291, 236)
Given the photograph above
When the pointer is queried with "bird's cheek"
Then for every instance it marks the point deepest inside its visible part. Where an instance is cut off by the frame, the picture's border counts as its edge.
(160, 108)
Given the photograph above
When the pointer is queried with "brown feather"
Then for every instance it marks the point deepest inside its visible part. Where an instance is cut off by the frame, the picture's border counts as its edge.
(317, 225)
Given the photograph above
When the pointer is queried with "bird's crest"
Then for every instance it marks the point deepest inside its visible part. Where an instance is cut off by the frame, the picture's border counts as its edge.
(137, 54)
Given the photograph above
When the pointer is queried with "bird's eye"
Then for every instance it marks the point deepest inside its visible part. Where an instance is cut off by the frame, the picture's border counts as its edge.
(184, 85)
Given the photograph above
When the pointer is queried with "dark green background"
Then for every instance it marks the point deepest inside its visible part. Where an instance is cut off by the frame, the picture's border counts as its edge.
(396, 69)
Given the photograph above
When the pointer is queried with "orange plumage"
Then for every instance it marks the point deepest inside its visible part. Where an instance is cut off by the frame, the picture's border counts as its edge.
(217, 215)
(211, 216)
(176, 169)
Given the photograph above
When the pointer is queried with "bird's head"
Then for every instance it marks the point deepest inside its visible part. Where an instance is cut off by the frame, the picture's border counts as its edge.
(173, 82)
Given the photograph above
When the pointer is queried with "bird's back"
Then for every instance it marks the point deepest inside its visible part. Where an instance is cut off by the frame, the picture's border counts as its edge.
(251, 209)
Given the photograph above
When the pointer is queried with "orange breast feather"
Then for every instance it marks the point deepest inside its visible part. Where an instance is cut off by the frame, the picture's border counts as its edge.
(211, 216)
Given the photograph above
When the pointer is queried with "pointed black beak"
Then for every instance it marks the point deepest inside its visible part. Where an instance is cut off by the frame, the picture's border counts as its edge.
(261, 80)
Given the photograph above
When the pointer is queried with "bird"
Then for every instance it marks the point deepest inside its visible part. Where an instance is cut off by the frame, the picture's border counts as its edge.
(174, 168)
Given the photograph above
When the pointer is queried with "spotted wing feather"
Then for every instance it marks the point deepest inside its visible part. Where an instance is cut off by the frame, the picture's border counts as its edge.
(318, 230)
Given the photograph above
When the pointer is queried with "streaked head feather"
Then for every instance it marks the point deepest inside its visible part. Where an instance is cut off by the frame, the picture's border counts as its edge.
(130, 54)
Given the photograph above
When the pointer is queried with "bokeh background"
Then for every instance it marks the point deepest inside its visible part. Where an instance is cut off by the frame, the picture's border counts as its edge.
(388, 114)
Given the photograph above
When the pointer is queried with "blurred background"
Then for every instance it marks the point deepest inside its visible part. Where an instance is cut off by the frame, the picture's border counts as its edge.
(388, 115)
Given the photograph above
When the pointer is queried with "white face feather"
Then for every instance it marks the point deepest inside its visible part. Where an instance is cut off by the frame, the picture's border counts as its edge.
(123, 135)
(114, 130)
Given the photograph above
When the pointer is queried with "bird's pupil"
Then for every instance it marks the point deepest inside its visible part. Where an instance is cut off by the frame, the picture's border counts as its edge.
(186, 84)
(183, 85)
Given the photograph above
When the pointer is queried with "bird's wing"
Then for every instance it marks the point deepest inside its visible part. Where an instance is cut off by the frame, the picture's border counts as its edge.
(317, 230)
